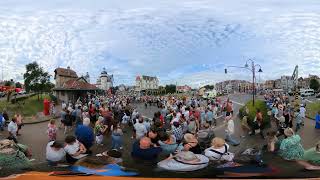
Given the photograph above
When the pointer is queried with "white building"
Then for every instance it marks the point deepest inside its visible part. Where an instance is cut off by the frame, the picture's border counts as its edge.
(146, 83)
(105, 81)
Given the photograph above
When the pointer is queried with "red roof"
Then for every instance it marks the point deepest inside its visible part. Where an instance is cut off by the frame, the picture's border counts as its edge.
(65, 72)
(78, 84)
(138, 78)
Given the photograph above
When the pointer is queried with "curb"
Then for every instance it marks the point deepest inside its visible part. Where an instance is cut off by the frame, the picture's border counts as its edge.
(37, 122)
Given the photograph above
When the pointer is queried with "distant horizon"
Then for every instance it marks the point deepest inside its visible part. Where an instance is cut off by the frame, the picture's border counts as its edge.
(188, 42)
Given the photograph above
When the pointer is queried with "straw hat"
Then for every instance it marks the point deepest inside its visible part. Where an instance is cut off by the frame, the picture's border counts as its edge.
(218, 142)
(186, 156)
(190, 138)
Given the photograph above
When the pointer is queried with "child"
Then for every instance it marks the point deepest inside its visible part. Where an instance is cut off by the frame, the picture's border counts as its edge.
(74, 149)
(100, 129)
(117, 138)
(272, 141)
(52, 130)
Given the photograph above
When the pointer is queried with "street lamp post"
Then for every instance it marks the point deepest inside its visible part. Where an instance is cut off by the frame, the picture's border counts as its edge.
(253, 70)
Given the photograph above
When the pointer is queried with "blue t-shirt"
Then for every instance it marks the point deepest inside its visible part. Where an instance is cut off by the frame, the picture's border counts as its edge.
(145, 154)
(210, 115)
(85, 135)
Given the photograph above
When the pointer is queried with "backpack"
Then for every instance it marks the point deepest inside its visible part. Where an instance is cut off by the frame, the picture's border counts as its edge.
(226, 156)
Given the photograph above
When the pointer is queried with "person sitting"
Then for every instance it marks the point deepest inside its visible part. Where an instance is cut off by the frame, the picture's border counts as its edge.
(55, 153)
(311, 158)
(184, 161)
(272, 141)
(114, 154)
(75, 150)
(167, 143)
(190, 143)
(290, 147)
(84, 134)
(205, 135)
(145, 150)
(219, 150)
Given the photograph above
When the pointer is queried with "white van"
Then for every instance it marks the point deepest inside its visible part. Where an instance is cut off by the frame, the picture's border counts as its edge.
(306, 92)
(210, 94)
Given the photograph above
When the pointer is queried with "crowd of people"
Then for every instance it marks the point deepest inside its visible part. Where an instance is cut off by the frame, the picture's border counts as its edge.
(180, 136)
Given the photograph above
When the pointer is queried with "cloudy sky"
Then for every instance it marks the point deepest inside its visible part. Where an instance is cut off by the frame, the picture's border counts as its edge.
(183, 41)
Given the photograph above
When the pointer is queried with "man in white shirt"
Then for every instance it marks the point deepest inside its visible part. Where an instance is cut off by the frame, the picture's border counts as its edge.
(140, 129)
(55, 153)
(302, 113)
(13, 128)
(230, 131)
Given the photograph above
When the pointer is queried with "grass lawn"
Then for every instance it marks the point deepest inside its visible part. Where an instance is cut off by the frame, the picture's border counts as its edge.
(28, 107)
(312, 109)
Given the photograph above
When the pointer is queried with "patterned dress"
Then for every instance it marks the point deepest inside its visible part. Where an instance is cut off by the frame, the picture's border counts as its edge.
(291, 148)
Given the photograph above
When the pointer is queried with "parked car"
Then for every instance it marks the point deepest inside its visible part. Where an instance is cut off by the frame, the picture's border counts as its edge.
(318, 95)
(22, 92)
(306, 92)
(2, 94)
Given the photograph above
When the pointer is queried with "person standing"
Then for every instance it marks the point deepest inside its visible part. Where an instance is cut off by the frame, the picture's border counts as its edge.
(19, 122)
(317, 118)
(299, 119)
(52, 130)
(230, 131)
(303, 114)
(12, 129)
(140, 129)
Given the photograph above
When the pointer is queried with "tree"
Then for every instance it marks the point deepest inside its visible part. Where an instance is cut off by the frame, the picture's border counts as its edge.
(36, 79)
(170, 88)
(314, 84)
(18, 85)
(209, 87)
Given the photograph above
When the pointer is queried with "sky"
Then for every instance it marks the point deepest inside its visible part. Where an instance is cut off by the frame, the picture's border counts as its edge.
(179, 41)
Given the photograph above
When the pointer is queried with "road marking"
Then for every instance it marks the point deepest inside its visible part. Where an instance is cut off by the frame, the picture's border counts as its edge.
(238, 103)
(309, 101)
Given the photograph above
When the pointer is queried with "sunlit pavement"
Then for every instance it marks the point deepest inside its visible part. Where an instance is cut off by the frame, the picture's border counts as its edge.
(36, 138)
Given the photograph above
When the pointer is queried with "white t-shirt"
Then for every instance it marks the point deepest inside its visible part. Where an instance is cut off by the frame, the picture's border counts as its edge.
(74, 148)
(230, 127)
(176, 119)
(141, 130)
(213, 155)
(13, 127)
(303, 112)
(53, 155)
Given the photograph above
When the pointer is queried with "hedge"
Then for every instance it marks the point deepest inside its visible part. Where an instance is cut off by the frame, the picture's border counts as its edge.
(259, 104)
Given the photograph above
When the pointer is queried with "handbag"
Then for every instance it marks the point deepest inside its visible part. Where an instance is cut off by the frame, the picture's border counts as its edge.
(226, 156)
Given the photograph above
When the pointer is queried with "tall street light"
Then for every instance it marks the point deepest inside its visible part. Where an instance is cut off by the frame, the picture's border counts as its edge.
(253, 71)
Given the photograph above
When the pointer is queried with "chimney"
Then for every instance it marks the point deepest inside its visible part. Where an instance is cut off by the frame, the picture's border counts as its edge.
(68, 67)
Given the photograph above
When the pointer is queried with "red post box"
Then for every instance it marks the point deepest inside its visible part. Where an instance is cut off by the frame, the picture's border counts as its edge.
(46, 107)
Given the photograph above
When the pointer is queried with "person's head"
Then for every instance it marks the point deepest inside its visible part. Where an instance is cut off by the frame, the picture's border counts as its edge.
(145, 143)
(56, 145)
(190, 139)
(86, 121)
(176, 124)
(288, 132)
(163, 136)
(140, 119)
(52, 121)
(258, 111)
(70, 139)
(217, 142)
(14, 119)
(206, 125)
(271, 134)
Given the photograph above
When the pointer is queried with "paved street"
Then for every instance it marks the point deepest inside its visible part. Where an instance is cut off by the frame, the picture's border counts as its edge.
(35, 136)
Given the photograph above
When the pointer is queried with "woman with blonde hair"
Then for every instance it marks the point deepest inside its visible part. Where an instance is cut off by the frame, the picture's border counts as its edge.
(219, 150)
(291, 148)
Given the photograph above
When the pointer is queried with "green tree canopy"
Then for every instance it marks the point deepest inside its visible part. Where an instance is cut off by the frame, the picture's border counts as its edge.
(18, 85)
(170, 88)
(209, 87)
(36, 79)
(314, 84)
